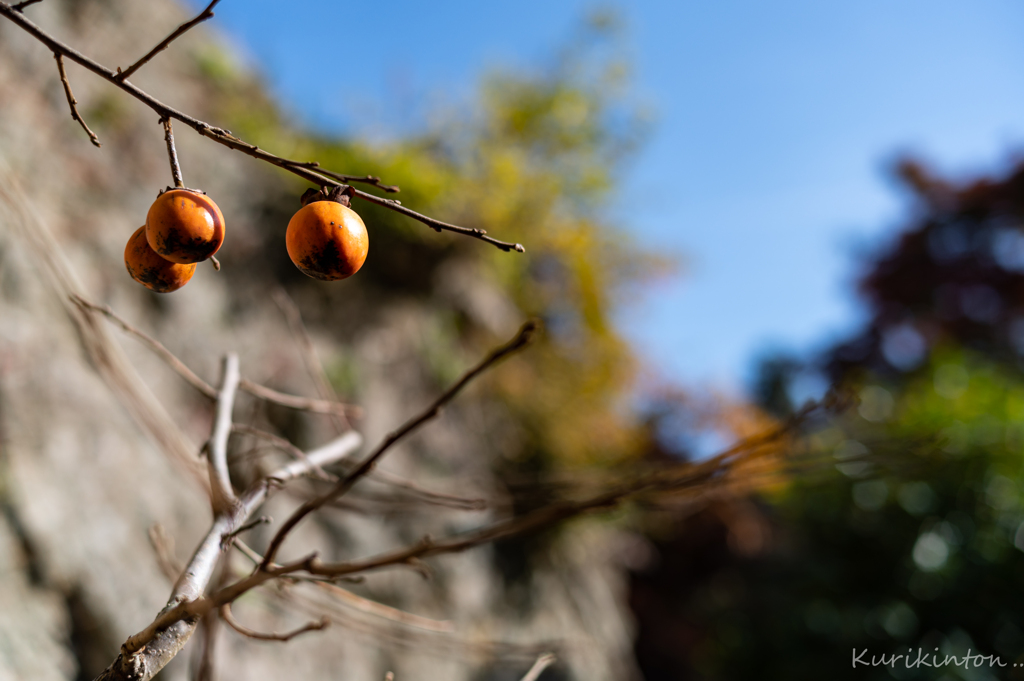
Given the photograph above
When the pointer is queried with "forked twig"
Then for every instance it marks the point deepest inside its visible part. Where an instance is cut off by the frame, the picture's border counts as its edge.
(682, 476)
(230, 536)
(200, 18)
(710, 472)
(72, 102)
(264, 393)
(158, 643)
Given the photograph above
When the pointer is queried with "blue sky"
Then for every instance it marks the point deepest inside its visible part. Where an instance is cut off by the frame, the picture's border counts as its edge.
(775, 122)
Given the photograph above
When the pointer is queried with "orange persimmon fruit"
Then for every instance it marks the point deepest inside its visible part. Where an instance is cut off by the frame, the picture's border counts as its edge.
(327, 240)
(147, 267)
(184, 226)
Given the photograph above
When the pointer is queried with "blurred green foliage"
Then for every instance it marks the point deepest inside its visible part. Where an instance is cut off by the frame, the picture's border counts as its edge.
(906, 532)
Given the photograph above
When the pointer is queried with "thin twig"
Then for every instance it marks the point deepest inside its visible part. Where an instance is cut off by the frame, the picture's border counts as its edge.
(542, 663)
(72, 102)
(709, 472)
(316, 406)
(172, 154)
(341, 177)
(156, 346)
(384, 611)
(427, 495)
(22, 5)
(306, 170)
(200, 18)
(225, 613)
(285, 445)
(285, 400)
(314, 367)
(437, 225)
(521, 339)
(262, 520)
(417, 492)
(206, 651)
(163, 547)
(332, 452)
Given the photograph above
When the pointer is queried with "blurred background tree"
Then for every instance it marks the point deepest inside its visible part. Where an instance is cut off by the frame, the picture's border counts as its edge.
(905, 529)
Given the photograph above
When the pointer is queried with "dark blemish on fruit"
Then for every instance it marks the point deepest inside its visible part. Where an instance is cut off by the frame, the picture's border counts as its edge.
(191, 248)
(326, 264)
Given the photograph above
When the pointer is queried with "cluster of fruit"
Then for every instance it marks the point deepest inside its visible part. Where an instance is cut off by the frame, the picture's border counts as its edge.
(325, 239)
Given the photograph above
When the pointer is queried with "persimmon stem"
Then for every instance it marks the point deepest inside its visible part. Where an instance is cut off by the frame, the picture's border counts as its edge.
(172, 153)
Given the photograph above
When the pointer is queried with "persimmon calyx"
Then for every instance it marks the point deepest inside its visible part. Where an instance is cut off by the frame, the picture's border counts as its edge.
(337, 193)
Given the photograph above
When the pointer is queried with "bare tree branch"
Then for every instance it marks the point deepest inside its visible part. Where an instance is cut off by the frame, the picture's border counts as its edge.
(296, 402)
(384, 611)
(146, 653)
(225, 613)
(178, 32)
(306, 170)
(426, 495)
(163, 547)
(408, 487)
(333, 451)
(22, 5)
(710, 472)
(437, 225)
(520, 341)
(262, 392)
(72, 102)
(262, 520)
(156, 346)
